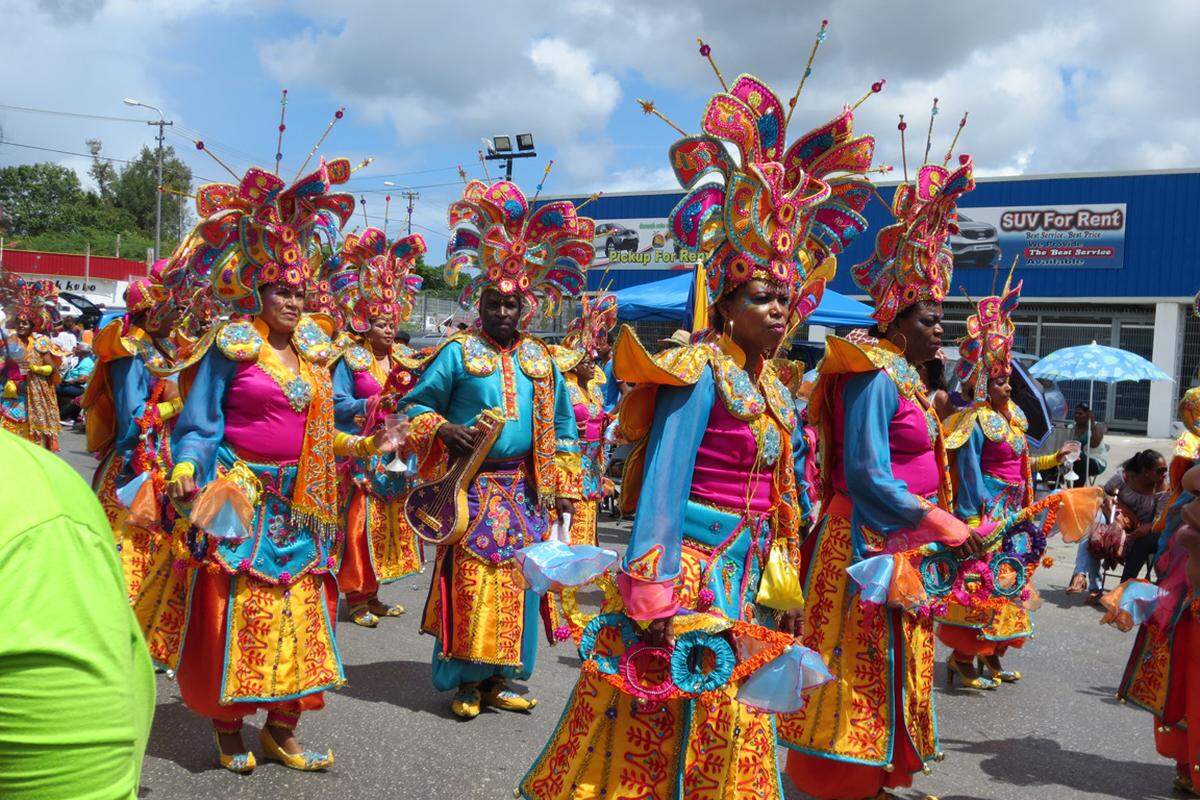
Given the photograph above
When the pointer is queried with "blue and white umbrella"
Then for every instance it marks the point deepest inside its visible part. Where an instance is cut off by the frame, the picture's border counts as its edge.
(1095, 362)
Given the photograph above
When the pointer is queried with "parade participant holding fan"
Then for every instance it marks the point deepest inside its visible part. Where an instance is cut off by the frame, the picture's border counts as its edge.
(28, 403)
(254, 468)
(497, 484)
(673, 700)
(993, 473)
(376, 287)
(886, 491)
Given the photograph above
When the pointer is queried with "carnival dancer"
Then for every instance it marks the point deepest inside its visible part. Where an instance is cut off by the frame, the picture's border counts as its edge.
(584, 348)
(130, 401)
(886, 491)
(711, 567)
(1163, 672)
(368, 381)
(484, 620)
(993, 473)
(28, 403)
(254, 455)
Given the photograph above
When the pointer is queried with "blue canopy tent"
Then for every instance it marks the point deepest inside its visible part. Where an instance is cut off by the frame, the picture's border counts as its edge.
(670, 300)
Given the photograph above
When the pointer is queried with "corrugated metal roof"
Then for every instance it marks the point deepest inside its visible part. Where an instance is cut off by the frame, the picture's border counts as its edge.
(1162, 233)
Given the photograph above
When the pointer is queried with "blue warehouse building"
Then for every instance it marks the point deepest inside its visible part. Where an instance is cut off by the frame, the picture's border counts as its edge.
(1110, 258)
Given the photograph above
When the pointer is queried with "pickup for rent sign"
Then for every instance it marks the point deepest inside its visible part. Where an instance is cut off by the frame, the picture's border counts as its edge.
(1052, 236)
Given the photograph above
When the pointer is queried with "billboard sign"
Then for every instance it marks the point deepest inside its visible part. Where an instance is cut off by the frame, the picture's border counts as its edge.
(639, 244)
(1048, 236)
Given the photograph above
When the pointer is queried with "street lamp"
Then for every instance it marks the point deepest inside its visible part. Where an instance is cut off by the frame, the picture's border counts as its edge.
(500, 148)
(129, 101)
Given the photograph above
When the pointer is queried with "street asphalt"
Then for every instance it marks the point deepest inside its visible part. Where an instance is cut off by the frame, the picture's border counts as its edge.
(1058, 734)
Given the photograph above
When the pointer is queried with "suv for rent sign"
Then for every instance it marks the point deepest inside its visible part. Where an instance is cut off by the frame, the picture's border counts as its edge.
(1054, 236)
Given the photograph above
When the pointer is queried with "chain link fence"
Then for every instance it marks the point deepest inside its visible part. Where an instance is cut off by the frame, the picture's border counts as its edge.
(431, 314)
(1043, 328)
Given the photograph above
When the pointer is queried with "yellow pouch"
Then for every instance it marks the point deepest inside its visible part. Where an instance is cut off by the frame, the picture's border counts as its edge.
(780, 587)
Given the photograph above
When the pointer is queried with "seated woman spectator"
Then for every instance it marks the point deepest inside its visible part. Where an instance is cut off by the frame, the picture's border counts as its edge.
(74, 381)
(1095, 461)
(1139, 491)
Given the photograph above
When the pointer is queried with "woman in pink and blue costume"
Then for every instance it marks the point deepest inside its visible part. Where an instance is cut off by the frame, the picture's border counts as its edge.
(886, 490)
(254, 449)
(375, 290)
(130, 401)
(993, 471)
(479, 610)
(711, 476)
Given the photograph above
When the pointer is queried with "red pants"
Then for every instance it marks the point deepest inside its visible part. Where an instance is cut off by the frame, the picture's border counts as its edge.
(356, 576)
(966, 644)
(201, 666)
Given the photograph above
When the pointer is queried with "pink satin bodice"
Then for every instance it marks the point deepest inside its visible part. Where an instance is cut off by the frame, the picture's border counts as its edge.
(911, 452)
(999, 460)
(724, 463)
(259, 421)
(589, 425)
(365, 384)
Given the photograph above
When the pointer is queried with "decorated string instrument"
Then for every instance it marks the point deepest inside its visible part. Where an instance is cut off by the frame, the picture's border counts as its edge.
(437, 510)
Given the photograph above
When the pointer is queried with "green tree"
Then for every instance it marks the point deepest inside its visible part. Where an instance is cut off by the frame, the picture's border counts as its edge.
(435, 282)
(102, 170)
(35, 198)
(137, 184)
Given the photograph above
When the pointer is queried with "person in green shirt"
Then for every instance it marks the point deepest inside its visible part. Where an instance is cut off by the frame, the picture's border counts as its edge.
(76, 682)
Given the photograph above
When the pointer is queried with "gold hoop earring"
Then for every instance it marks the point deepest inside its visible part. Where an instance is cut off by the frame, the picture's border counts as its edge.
(904, 346)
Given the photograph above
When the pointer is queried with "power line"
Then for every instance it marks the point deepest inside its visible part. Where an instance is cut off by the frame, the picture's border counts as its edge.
(63, 152)
(402, 189)
(89, 155)
(76, 114)
(409, 172)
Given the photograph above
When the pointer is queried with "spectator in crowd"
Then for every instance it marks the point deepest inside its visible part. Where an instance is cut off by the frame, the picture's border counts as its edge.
(74, 381)
(1138, 491)
(1090, 435)
(76, 682)
(66, 340)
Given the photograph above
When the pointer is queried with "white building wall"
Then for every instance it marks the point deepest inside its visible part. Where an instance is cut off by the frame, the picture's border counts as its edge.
(1168, 336)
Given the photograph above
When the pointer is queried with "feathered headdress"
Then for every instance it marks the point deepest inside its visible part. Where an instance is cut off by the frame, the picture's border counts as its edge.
(596, 320)
(376, 279)
(540, 254)
(986, 351)
(31, 300)
(587, 332)
(777, 213)
(259, 232)
(912, 259)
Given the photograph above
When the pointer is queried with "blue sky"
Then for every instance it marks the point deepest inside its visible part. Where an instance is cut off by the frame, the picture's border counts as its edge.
(1052, 87)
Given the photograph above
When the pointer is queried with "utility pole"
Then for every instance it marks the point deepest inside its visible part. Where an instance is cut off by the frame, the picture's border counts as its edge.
(410, 197)
(158, 188)
(161, 123)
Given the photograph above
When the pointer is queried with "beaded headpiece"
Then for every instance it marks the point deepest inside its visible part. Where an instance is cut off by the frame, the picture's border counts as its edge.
(597, 317)
(376, 279)
(260, 232)
(777, 213)
(31, 300)
(986, 351)
(912, 260)
(537, 255)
